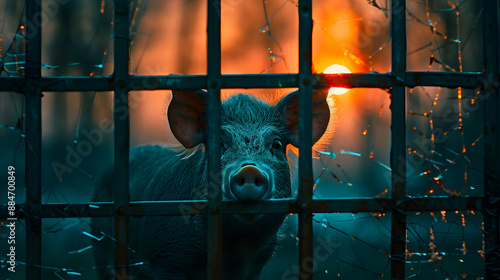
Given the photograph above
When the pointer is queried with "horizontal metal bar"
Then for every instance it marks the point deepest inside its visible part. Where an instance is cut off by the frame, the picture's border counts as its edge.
(444, 79)
(61, 83)
(193, 207)
(200, 81)
(260, 81)
(413, 79)
(100, 209)
(100, 83)
(355, 80)
(168, 82)
(12, 84)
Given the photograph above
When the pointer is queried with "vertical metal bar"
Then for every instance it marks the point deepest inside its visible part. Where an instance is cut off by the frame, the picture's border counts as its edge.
(214, 235)
(33, 105)
(492, 139)
(121, 118)
(305, 233)
(398, 137)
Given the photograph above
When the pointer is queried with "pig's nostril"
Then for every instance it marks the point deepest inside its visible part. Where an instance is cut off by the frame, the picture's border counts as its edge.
(259, 183)
(249, 184)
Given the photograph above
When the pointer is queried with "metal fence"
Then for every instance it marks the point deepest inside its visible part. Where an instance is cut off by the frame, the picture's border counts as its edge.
(121, 82)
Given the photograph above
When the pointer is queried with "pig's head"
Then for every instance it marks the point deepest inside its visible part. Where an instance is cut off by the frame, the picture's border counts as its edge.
(254, 137)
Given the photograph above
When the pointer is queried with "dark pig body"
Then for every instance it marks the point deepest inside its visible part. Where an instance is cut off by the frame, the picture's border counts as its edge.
(254, 167)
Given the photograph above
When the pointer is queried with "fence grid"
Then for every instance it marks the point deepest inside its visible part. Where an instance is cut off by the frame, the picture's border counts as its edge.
(121, 82)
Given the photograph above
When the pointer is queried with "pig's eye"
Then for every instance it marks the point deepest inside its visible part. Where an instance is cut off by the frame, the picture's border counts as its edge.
(277, 145)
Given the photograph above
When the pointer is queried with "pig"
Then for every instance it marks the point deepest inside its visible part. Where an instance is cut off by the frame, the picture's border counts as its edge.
(254, 166)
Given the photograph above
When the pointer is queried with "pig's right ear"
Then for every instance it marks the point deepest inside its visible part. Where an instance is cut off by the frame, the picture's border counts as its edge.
(289, 108)
(187, 116)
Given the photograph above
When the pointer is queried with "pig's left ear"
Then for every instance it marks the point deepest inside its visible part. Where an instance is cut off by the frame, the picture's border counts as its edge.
(187, 116)
(289, 108)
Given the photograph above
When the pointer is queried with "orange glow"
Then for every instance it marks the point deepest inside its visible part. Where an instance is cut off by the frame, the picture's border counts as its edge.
(378, 215)
(337, 69)
(443, 214)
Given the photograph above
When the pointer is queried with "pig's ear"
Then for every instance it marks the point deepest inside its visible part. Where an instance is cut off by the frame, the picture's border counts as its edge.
(187, 116)
(289, 107)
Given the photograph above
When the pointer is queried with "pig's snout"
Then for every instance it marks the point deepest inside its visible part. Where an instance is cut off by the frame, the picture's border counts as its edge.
(249, 183)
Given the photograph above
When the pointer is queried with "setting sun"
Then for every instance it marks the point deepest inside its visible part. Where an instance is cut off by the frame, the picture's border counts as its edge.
(336, 69)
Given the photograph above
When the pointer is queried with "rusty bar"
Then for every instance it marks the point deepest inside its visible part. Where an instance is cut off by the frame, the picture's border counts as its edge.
(121, 118)
(214, 219)
(64, 83)
(12, 84)
(469, 80)
(33, 105)
(304, 197)
(491, 103)
(398, 137)
(343, 205)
